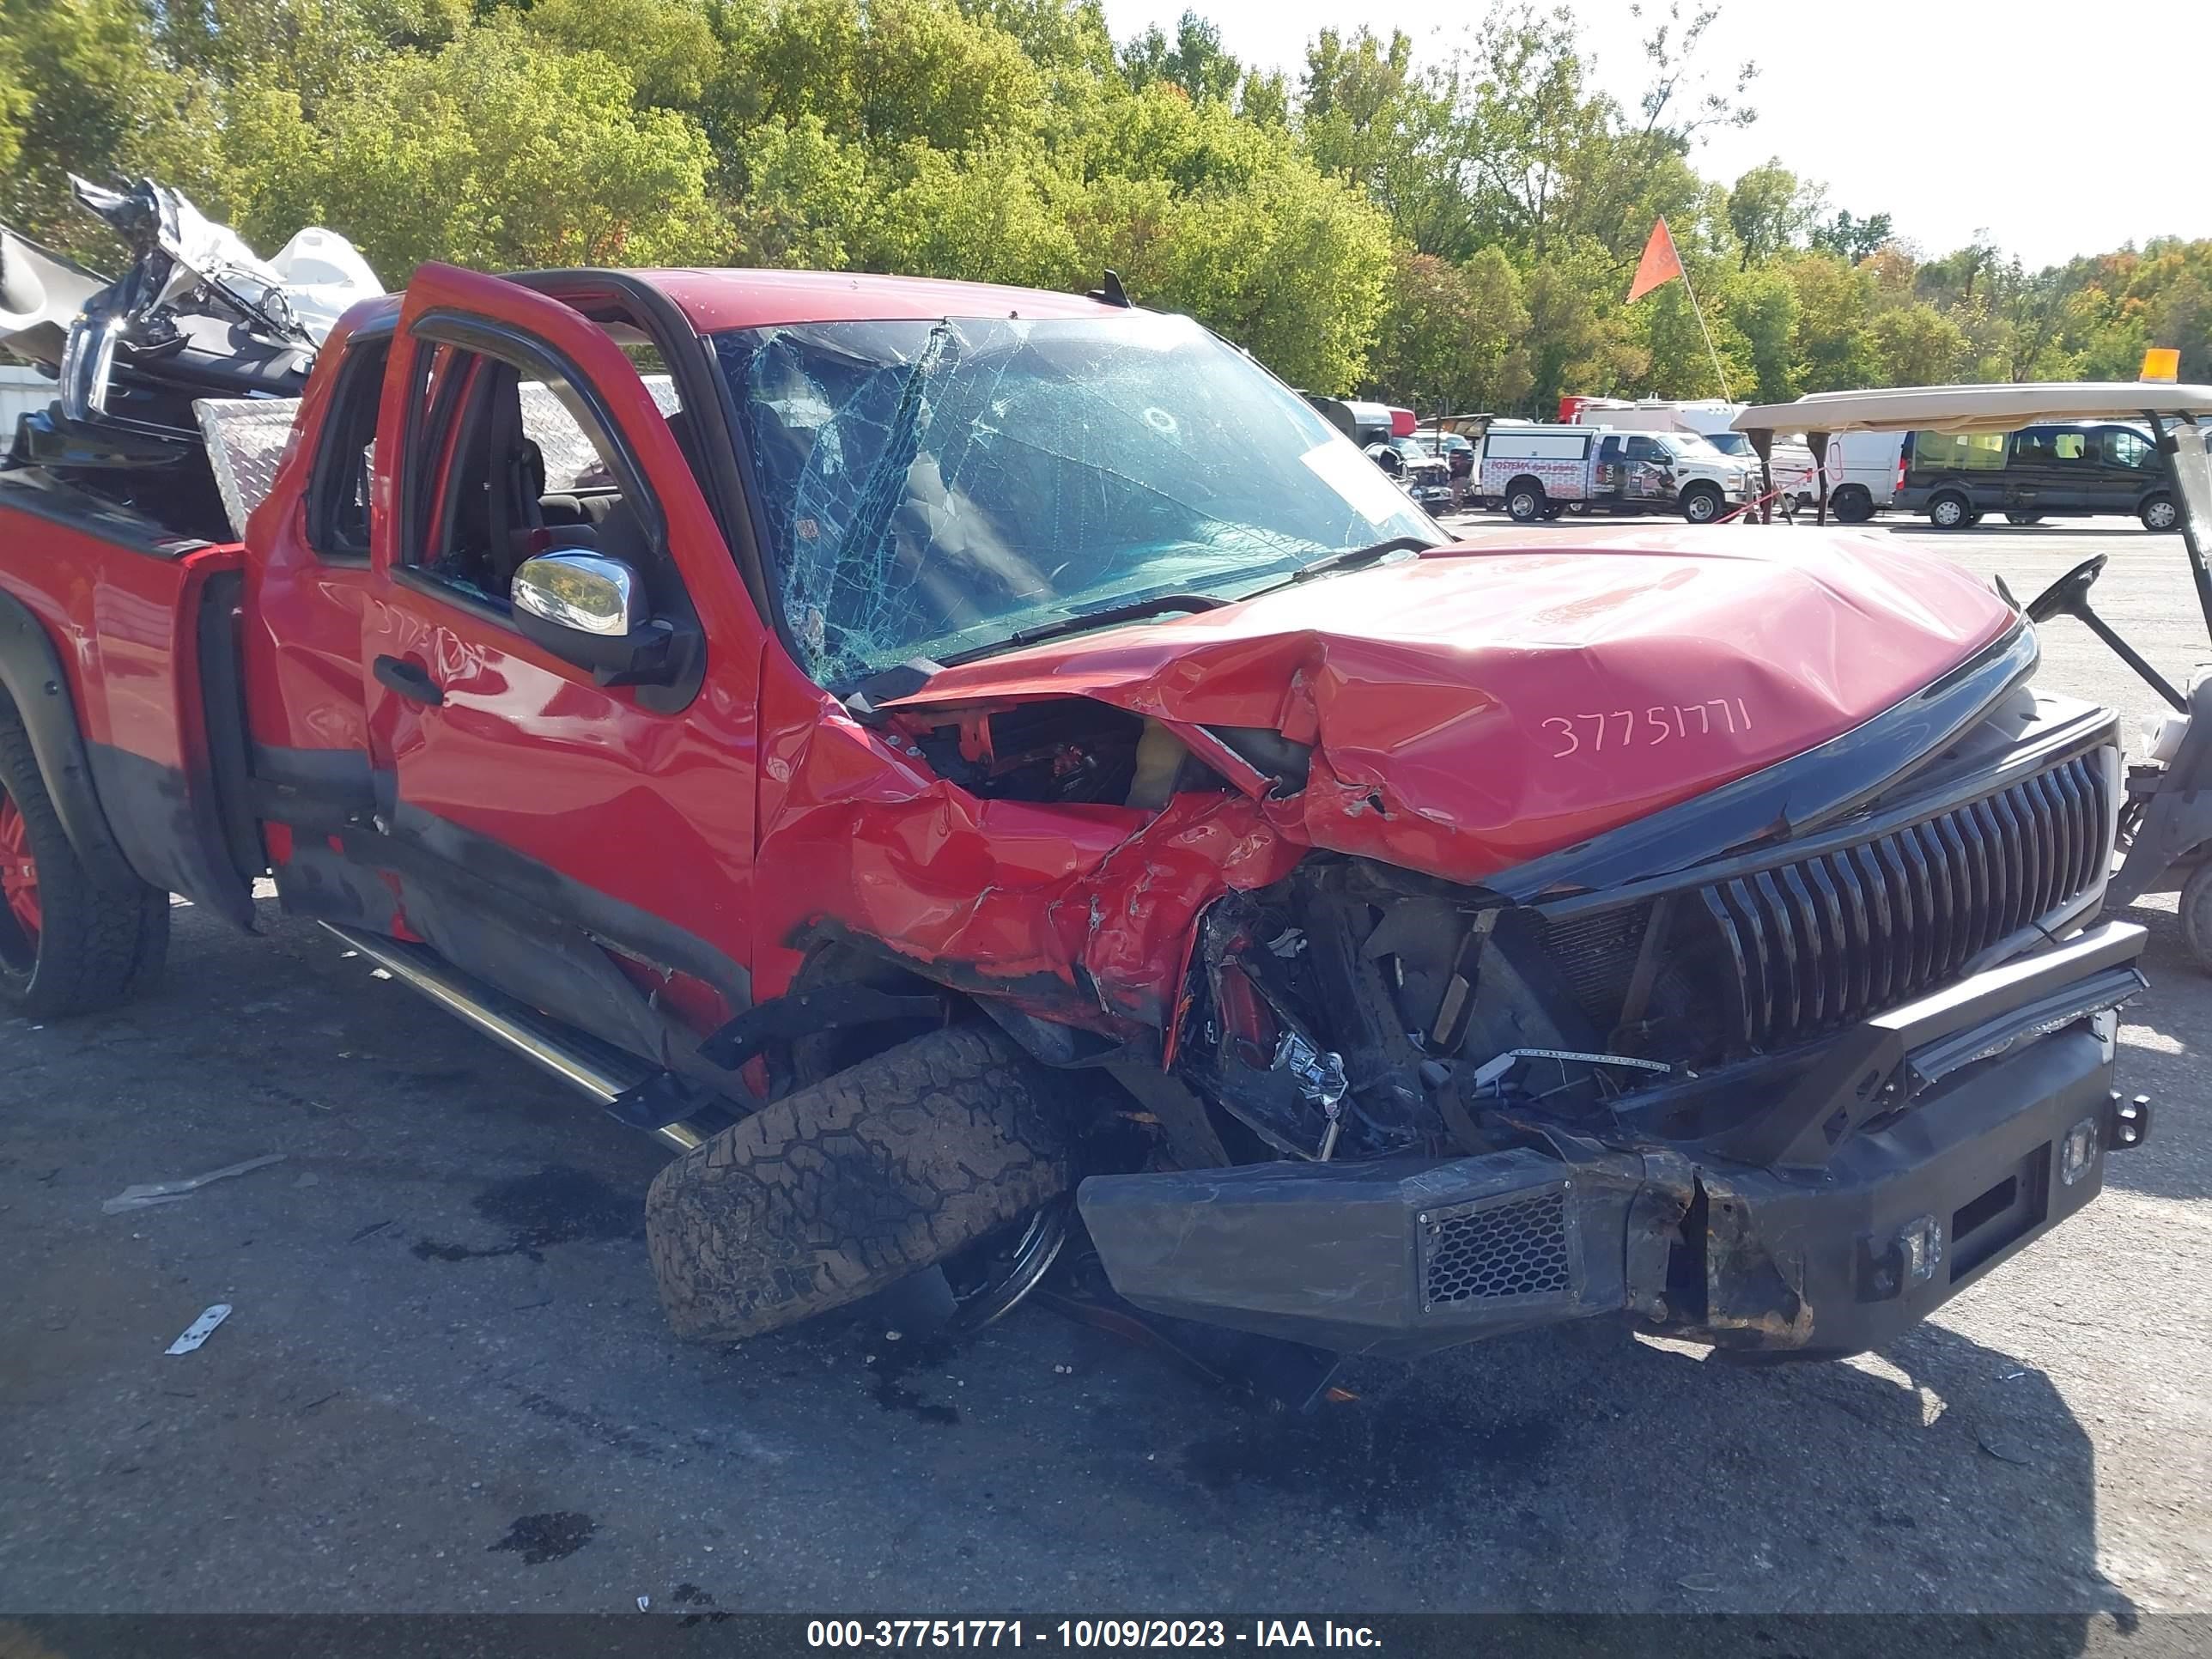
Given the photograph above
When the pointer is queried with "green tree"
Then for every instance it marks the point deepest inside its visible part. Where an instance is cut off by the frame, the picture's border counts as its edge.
(89, 92)
(1769, 208)
(809, 199)
(895, 71)
(1351, 98)
(1292, 267)
(15, 97)
(496, 151)
(1834, 300)
(1763, 313)
(988, 214)
(668, 48)
(1193, 60)
(1848, 237)
(1916, 345)
(1058, 36)
(1453, 337)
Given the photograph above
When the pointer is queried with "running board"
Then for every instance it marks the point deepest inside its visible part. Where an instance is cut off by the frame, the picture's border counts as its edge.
(595, 1069)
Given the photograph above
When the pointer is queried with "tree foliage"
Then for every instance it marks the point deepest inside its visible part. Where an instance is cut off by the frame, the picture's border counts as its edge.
(1450, 225)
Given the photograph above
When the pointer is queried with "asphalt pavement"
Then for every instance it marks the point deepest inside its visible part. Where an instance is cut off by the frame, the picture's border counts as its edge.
(446, 1383)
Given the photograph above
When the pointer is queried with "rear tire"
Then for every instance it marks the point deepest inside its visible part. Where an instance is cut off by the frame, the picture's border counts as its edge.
(2196, 909)
(1853, 504)
(1524, 502)
(1701, 503)
(70, 942)
(1950, 511)
(2158, 515)
(849, 1185)
(2015, 517)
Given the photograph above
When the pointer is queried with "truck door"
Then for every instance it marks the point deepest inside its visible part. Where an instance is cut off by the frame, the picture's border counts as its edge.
(1607, 481)
(1648, 474)
(2128, 469)
(579, 841)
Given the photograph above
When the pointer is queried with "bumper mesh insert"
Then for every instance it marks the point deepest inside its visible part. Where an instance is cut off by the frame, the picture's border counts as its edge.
(1512, 1246)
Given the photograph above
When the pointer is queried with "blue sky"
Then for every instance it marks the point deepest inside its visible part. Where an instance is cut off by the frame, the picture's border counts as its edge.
(2025, 118)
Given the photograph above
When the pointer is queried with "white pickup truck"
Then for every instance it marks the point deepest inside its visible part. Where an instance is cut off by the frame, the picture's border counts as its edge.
(1540, 472)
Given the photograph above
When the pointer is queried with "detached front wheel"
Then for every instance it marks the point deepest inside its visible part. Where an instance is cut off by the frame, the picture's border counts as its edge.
(70, 942)
(845, 1187)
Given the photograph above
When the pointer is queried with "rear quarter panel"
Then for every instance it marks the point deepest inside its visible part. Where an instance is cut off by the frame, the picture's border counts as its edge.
(121, 608)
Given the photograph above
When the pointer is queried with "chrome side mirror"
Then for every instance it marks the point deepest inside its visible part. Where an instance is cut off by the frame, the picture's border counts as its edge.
(585, 593)
(589, 610)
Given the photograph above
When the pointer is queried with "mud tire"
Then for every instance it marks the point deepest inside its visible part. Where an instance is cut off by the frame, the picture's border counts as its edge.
(850, 1184)
(99, 941)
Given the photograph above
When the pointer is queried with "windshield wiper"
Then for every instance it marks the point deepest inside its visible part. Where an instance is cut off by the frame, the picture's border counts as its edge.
(1160, 604)
(1357, 556)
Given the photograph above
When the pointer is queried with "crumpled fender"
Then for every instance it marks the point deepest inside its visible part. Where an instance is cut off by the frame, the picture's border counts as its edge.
(1080, 913)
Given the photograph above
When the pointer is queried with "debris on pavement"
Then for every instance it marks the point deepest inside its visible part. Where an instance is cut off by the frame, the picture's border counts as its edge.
(2004, 1448)
(200, 1329)
(145, 1194)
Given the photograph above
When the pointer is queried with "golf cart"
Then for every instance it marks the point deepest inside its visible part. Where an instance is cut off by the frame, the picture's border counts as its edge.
(2165, 819)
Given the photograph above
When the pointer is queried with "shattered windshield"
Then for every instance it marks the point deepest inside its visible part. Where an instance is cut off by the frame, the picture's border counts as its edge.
(930, 488)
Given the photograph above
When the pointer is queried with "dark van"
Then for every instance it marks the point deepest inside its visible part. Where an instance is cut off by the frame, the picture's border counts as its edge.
(2055, 471)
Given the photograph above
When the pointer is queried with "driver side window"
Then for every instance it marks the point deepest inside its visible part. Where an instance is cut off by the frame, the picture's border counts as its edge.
(509, 464)
(2129, 449)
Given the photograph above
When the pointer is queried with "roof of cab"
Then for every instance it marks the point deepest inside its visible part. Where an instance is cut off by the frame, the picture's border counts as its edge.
(717, 299)
(1976, 408)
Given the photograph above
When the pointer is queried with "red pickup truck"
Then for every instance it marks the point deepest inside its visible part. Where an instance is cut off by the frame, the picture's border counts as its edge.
(964, 763)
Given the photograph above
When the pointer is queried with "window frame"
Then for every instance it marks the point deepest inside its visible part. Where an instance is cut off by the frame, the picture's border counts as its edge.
(359, 392)
(437, 415)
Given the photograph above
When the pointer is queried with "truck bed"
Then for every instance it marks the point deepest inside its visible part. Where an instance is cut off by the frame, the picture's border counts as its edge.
(120, 650)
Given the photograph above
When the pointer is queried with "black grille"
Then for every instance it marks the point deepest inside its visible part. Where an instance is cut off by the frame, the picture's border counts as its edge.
(1515, 1246)
(1850, 933)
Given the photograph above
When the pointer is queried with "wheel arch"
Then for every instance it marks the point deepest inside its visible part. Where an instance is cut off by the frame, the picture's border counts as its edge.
(37, 693)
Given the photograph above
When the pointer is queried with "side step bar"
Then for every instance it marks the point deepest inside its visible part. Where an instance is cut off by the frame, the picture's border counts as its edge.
(595, 1069)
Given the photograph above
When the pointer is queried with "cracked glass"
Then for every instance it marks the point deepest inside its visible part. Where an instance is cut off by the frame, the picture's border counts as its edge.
(931, 489)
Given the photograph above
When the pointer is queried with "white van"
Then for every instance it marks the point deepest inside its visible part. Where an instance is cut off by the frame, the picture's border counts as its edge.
(1862, 473)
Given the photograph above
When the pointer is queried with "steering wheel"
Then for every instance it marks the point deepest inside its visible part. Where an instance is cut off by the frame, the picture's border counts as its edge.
(2070, 593)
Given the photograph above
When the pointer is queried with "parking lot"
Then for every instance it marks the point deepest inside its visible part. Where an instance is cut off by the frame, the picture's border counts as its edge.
(447, 1382)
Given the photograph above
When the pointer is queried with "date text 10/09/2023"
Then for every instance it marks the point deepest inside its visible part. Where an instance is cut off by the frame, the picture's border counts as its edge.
(1087, 1634)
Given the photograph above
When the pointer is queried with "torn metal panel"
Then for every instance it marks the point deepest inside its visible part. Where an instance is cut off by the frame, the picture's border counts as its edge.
(1471, 710)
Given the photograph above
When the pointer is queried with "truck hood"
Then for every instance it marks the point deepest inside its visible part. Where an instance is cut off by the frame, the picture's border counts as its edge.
(1478, 707)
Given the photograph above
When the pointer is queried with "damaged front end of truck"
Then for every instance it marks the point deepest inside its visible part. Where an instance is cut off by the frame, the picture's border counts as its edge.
(1472, 977)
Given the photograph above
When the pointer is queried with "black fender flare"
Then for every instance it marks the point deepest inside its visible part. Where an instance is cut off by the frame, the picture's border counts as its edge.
(31, 675)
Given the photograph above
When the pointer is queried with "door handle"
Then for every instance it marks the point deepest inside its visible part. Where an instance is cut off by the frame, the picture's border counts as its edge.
(411, 680)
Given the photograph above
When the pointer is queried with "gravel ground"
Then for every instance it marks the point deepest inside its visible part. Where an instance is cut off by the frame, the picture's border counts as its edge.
(446, 1384)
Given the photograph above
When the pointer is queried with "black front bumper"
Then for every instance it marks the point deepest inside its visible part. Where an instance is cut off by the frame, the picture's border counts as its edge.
(1986, 1113)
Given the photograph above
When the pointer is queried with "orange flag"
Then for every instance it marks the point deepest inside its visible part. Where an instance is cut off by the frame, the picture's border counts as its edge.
(1660, 264)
